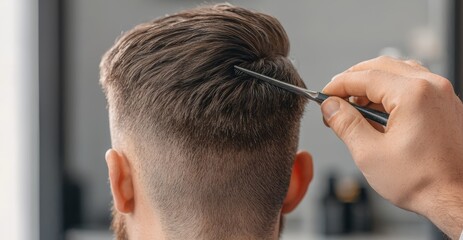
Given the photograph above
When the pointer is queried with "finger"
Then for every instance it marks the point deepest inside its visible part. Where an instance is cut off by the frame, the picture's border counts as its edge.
(388, 64)
(377, 107)
(325, 122)
(361, 101)
(378, 86)
(349, 125)
(365, 102)
(380, 128)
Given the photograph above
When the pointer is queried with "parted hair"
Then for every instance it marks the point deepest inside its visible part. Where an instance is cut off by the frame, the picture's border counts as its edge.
(212, 147)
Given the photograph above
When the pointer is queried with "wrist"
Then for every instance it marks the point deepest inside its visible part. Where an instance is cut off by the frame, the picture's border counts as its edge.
(444, 207)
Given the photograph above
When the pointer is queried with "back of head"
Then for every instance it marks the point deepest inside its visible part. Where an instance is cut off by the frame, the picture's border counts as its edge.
(212, 148)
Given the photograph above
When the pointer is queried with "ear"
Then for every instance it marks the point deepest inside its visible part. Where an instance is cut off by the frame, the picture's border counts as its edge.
(120, 178)
(301, 176)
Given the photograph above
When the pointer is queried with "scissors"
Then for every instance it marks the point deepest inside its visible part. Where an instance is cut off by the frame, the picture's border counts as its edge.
(374, 115)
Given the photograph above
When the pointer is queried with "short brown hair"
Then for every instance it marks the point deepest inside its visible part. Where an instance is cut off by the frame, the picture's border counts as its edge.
(213, 148)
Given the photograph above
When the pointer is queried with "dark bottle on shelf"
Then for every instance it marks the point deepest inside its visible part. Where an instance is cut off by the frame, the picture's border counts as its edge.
(362, 218)
(333, 210)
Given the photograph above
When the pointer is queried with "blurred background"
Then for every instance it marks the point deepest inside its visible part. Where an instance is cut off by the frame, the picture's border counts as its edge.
(54, 126)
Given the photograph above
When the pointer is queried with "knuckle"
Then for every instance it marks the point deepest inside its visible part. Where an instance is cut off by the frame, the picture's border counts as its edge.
(422, 85)
(421, 89)
(417, 65)
(384, 58)
(413, 63)
(424, 90)
(444, 84)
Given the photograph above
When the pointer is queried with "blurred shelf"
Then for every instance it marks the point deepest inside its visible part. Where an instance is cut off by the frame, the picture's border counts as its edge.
(395, 232)
(403, 232)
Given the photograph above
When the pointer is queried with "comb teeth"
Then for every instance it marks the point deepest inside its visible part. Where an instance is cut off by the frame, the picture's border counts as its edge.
(238, 72)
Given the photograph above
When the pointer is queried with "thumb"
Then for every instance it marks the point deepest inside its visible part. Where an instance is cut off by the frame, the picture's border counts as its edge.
(348, 123)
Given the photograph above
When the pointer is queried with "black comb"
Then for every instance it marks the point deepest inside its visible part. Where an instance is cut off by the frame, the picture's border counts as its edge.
(374, 115)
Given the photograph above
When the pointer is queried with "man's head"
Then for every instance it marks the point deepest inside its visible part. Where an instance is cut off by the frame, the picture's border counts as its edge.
(198, 149)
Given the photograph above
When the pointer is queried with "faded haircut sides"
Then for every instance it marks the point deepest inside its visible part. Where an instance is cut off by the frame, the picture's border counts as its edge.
(213, 148)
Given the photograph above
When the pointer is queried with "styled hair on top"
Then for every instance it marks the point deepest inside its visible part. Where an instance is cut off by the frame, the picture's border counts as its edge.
(213, 148)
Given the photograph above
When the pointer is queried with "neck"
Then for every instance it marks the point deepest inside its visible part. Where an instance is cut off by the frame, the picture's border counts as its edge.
(151, 228)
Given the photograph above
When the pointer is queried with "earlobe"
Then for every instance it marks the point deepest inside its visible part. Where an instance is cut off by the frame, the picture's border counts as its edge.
(301, 176)
(120, 178)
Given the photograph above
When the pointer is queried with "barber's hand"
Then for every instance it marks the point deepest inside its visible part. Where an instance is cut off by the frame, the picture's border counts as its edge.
(416, 162)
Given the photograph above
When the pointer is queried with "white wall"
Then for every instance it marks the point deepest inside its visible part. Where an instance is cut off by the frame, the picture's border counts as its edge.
(19, 120)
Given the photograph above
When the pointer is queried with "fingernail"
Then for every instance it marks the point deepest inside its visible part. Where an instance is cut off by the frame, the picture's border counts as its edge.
(329, 108)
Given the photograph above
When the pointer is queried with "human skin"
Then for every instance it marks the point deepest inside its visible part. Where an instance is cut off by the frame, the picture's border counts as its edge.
(416, 162)
(135, 217)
